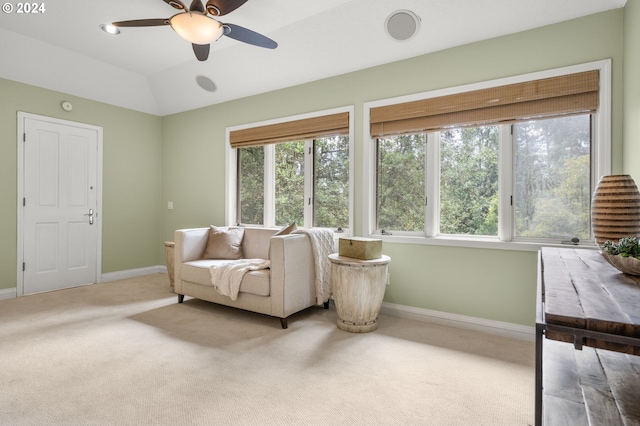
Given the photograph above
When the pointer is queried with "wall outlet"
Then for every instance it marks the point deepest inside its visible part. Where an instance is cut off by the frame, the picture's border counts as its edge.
(170, 205)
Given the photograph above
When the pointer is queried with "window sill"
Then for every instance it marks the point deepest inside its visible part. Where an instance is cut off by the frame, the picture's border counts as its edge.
(477, 242)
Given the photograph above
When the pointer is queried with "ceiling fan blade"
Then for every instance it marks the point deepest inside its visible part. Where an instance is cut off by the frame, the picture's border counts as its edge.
(222, 7)
(176, 4)
(196, 6)
(245, 35)
(141, 23)
(201, 51)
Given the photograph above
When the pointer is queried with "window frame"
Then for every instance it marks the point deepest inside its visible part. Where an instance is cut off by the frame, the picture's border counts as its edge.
(601, 165)
(231, 175)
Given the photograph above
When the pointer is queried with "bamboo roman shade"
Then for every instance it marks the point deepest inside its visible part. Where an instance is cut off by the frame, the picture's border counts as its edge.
(326, 125)
(548, 97)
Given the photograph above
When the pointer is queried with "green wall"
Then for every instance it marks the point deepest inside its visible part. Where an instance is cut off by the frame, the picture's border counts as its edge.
(132, 176)
(150, 160)
(492, 284)
(631, 118)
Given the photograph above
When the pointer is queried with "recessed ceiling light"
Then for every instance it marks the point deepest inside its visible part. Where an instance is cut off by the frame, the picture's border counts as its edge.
(402, 25)
(109, 29)
(206, 83)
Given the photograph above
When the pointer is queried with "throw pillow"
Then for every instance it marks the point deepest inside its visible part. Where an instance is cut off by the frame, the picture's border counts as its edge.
(224, 243)
(287, 229)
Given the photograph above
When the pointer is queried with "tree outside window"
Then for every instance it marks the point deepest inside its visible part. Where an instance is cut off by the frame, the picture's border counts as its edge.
(469, 181)
(331, 182)
(553, 175)
(551, 180)
(311, 191)
(401, 182)
(251, 185)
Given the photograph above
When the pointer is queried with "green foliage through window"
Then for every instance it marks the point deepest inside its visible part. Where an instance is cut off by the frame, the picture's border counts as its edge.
(331, 182)
(322, 192)
(469, 181)
(553, 175)
(289, 183)
(251, 185)
(551, 180)
(401, 185)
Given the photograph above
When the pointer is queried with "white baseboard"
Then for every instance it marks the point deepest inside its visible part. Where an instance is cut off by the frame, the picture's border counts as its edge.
(131, 273)
(506, 329)
(12, 293)
(8, 293)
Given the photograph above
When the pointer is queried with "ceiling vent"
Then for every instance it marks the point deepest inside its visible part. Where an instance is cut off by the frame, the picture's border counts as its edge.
(402, 25)
(206, 83)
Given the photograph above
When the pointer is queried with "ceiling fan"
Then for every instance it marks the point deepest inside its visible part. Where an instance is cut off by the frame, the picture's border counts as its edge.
(197, 27)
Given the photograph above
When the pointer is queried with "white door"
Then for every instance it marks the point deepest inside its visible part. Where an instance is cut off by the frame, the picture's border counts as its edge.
(60, 205)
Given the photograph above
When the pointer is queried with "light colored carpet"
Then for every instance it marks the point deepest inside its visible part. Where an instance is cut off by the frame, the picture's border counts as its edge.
(126, 353)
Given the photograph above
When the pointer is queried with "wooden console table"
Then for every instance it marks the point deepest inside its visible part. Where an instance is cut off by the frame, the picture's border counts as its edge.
(587, 302)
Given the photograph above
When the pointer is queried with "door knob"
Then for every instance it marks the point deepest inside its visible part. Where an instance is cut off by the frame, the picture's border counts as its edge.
(90, 214)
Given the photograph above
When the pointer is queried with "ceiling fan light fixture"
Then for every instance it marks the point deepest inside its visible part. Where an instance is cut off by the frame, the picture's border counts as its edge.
(196, 27)
(109, 29)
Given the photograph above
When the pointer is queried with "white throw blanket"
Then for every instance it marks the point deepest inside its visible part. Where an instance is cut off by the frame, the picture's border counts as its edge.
(322, 245)
(226, 277)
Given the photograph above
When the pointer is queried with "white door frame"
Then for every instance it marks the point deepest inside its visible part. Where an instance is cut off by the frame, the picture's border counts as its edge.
(20, 145)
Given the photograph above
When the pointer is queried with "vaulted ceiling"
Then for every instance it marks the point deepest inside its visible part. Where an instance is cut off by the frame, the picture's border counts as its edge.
(153, 70)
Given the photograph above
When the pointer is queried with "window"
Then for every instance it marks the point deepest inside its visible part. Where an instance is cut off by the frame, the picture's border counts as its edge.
(491, 163)
(552, 165)
(251, 185)
(331, 182)
(289, 182)
(469, 181)
(297, 170)
(552, 196)
(400, 190)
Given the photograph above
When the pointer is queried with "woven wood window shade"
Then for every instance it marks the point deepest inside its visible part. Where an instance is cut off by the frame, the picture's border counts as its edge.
(549, 97)
(326, 125)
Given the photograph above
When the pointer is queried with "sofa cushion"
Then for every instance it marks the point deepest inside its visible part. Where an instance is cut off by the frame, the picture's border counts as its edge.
(224, 243)
(256, 242)
(254, 282)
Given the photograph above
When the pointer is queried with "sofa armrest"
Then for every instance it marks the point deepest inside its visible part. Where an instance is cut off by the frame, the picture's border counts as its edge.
(292, 274)
(190, 244)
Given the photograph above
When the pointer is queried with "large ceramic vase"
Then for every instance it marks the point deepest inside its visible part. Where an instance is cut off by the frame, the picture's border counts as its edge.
(615, 209)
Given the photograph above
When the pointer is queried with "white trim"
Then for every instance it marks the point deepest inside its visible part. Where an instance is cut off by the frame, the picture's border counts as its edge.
(498, 328)
(352, 173)
(11, 293)
(307, 206)
(22, 116)
(8, 293)
(269, 197)
(603, 124)
(231, 163)
(230, 179)
(505, 192)
(602, 156)
(132, 273)
(432, 182)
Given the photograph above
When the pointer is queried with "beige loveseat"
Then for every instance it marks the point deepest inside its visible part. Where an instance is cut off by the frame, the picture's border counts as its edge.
(287, 287)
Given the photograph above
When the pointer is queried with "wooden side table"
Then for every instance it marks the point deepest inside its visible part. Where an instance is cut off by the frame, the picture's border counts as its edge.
(358, 290)
(168, 256)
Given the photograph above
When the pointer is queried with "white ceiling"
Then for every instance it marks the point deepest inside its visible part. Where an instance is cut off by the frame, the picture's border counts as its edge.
(153, 70)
